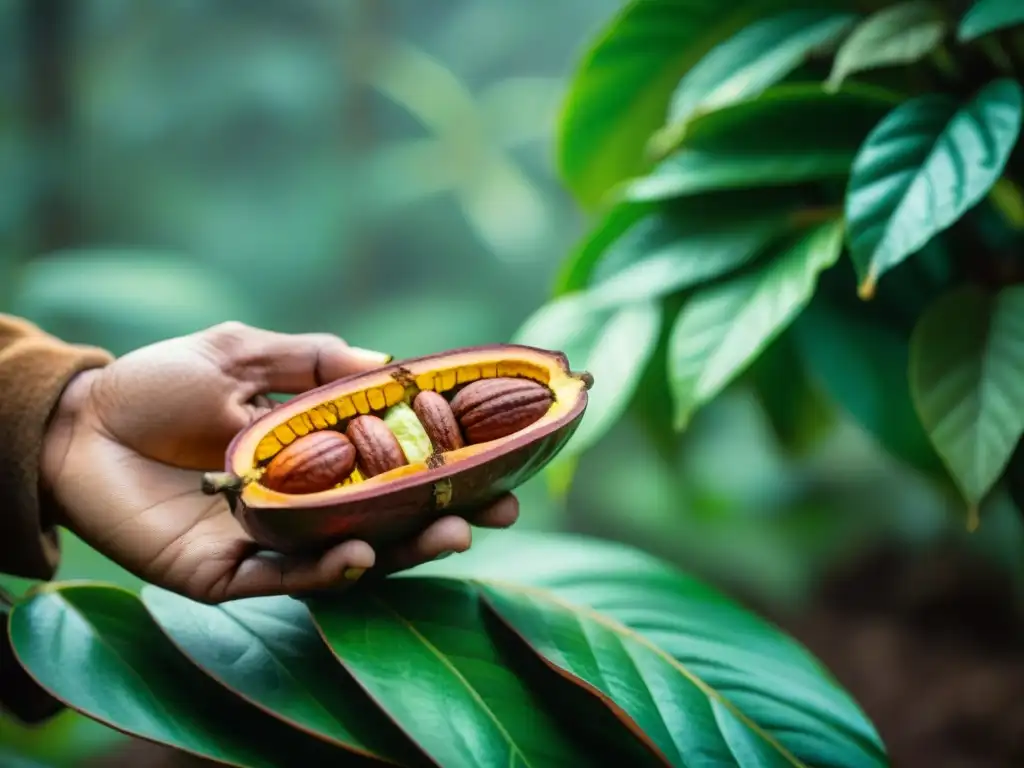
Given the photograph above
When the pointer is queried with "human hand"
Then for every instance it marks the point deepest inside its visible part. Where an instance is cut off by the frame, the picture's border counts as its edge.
(126, 450)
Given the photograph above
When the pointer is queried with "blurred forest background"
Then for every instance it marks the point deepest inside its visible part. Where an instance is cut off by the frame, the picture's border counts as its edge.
(383, 171)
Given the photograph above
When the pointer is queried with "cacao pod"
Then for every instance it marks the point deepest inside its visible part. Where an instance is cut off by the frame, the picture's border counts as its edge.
(444, 469)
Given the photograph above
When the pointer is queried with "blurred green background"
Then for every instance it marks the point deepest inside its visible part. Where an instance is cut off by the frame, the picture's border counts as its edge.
(383, 171)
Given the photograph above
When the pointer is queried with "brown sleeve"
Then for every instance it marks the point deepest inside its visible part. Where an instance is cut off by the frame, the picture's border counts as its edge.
(34, 369)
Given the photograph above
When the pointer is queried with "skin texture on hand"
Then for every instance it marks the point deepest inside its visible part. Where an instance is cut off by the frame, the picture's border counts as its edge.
(127, 447)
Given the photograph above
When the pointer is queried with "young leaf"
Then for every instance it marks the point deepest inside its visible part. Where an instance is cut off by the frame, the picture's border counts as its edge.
(755, 58)
(966, 360)
(789, 134)
(988, 16)
(900, 34)
(723, 327)
(621, 89)
(925, 165)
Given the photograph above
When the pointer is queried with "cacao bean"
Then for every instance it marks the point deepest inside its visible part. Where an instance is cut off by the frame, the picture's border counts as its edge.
(311, 464)
(490, 409)
(377, 447)
(438, 420)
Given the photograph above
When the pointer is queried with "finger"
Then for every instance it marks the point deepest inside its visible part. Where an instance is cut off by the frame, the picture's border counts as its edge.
(503, 513)
(444, 536)
(269, 573)
(289, 363)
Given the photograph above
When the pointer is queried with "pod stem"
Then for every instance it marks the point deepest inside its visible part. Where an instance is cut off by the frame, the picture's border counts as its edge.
(585, 377)
(223, 482)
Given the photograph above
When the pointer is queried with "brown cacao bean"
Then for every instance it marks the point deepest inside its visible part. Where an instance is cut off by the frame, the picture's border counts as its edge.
(313, 463)
(377, 447)
(490, 409)
(438, 421)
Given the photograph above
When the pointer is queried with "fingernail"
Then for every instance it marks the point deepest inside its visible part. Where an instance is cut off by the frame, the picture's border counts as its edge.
(445, 554)
(353, 574)
(371, 355)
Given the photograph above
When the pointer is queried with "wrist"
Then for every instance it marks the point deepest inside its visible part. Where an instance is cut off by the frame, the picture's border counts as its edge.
(61, 430)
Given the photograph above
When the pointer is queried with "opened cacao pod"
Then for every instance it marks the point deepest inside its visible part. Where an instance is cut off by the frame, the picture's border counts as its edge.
(378, 456)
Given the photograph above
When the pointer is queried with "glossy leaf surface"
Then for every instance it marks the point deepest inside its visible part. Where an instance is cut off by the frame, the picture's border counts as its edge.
(620, 92)
(723, 327)
(760, 55)
(922, 168)
(128, 675)
(625, 622)
(898, 34)
(987, 16)
(421, 650)
(690, 242)
(268, 651)
(966, 360)
(789, 134)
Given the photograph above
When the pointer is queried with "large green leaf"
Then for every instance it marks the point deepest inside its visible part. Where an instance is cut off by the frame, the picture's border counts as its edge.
(987, 16)
(899, 34)
(755, 58)
(789, 134)
(723, 327)
(421, 650)
(614, 346)
(620, 92)
(927, 163)
(98, 650)
(966, 363)
(685, 663)
(861, 364)
(268, 651)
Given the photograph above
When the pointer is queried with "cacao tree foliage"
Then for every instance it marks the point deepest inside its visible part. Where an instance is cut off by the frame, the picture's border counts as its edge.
(533, 650)
(840, 181)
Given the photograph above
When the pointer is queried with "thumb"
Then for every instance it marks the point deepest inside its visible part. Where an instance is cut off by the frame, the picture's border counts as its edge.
(290, 363)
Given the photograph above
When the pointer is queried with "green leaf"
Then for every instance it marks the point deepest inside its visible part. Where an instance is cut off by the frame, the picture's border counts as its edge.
(267, 651)
(899, 34)
(615, 346)
(794, 405)
(620, 91)
(723, 327)
(688, 665)
(575, 271)
(421, 650)
(690, 242)
(98, 650)
(861, 364)
(988, 16)
(966, 359)
(755, 58)
(787, 135)
(925, 165)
